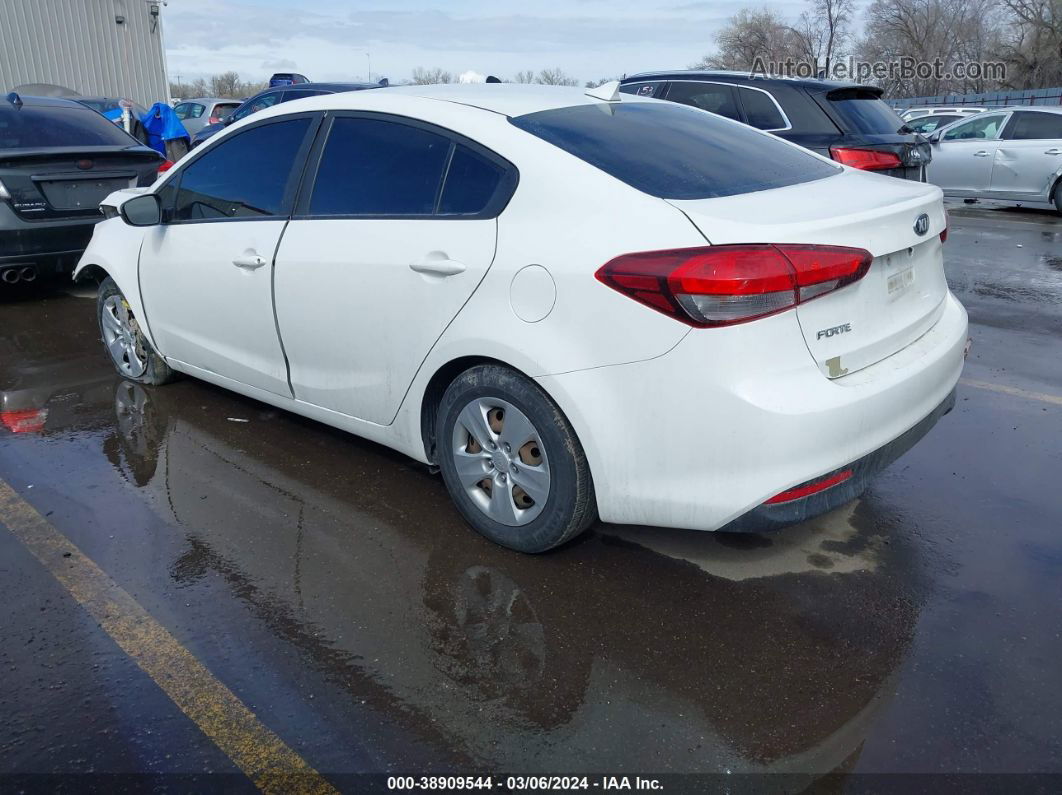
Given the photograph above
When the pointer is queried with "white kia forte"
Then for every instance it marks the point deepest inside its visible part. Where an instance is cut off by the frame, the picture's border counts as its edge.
(573, 304)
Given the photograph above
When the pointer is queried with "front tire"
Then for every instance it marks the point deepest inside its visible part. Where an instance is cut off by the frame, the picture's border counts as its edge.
(130, 352)
(1058, 197)
(512, 462)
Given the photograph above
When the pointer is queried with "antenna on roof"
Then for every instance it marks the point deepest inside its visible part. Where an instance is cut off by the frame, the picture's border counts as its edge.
(609, 92)
(14, 99)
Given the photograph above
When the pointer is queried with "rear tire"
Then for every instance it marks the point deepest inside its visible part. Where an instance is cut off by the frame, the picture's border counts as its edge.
(128, 347)
(1058, 197)
(512, 462)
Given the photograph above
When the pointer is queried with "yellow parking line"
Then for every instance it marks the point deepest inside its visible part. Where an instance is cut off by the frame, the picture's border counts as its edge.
(257, 751)
(1043, 397)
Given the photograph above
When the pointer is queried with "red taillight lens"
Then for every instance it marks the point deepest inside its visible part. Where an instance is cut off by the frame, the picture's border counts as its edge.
(214, 120)
(166, 166)
(866, 159)
(25, 421)
(810, 488)
(724, 285)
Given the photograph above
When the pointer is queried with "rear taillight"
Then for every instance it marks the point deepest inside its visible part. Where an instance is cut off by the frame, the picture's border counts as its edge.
(866, 159)
(24, 421)
(724, 285)
(214, 120)
(166, 166)
(944, 232)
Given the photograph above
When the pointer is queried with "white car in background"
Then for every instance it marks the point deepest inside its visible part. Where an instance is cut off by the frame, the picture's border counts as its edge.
(917, 113)
(574, 304)
(1013, 154)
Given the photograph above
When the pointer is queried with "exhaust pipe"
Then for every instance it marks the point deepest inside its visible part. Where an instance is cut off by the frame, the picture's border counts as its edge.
(10, 275)
(28, 274)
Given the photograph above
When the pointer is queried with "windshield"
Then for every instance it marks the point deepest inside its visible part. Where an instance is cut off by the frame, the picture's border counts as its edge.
(675, 152)
(36, 127)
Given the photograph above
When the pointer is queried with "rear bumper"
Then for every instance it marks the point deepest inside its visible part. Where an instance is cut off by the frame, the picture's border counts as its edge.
(51, 247)
(729, 418)
(775, 517)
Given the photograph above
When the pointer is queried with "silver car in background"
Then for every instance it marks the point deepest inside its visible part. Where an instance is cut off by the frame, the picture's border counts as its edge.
(1010, 154)
(195, 114)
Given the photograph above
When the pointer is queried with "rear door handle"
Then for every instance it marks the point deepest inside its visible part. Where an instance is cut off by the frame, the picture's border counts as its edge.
(982, 153)
(1053, 152)
(249, 261)
(438, 267)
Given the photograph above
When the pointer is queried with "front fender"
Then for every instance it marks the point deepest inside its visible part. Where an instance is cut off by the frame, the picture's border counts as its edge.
(115, 249)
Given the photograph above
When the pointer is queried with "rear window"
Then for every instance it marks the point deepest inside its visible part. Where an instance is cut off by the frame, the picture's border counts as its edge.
(863, 111)
(35, 127)
(675, 152)
(1032, 125)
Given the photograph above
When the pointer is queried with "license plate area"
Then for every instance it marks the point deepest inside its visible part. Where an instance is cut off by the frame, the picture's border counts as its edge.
(81, 194)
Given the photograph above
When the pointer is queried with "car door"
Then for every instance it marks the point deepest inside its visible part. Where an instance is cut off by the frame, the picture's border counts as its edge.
(396, 233)
(206, 271)
(1029, 157)
(962, 158)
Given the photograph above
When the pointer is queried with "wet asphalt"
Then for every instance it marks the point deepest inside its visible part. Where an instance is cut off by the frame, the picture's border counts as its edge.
(329, 584)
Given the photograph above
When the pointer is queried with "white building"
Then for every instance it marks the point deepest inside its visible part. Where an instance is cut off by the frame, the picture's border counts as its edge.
(108, 48)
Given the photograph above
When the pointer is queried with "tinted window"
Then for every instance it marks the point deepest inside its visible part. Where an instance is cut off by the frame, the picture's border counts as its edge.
(673, 152)
(189, 110)
(256, 104)
(761, 110)
(373, 167)
(242, 177)
(302, 93)
(863, 112)
(1036, 125)
(977, 128)
(641, 89)
(36, 127)
(712, 97)
(470, 183)
(928, 124)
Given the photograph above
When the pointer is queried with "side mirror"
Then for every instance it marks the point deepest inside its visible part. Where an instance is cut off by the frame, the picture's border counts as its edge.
(227, 120)
(934, 137)
(143, 210)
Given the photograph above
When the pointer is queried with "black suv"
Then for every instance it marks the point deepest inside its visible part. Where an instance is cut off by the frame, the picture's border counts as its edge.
(847, 122)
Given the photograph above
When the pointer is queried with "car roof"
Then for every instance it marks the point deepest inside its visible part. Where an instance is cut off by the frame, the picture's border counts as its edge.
(50, 102)
(508, 99)
(810, 83)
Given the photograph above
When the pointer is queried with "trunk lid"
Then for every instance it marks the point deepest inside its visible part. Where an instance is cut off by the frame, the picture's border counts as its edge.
(902, 295)
(70, 182)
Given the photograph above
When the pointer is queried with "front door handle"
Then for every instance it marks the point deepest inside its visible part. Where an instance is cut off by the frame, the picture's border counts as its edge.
(250, 261)
(1053, 152)
(438, 267)
(982, 153)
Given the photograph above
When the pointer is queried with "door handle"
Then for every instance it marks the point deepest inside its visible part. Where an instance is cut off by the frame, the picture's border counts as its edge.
(1053, 152)
(982, 153)
(438, 267)
(249, 261)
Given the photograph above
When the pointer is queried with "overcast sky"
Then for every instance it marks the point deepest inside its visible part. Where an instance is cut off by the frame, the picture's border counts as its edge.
(589, 39)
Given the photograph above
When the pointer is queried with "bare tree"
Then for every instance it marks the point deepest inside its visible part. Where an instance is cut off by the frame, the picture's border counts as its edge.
(423, 77)
(226, 84)
(1031, 45)
(823, 31)
(601, 82)
(526, 76)
(750, 37)
(555, 77)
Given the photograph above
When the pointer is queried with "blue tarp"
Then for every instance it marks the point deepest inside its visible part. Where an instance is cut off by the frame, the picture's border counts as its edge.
(162, 125)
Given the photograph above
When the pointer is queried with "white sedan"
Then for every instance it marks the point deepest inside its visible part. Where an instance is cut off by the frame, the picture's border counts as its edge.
(574, 304)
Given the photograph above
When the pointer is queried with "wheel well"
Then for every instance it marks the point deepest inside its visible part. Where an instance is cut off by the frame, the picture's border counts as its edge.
(429, 406)
(92, 273)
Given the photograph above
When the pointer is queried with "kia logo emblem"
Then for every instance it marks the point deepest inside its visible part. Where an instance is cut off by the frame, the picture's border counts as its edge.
(921, 224)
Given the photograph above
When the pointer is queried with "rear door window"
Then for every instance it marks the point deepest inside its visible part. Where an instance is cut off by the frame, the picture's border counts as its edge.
(471, 182)
(673, 152)
(372, 167)
(245, 176)
(761, 111)
(863, 111)
(718, 98)
(1031, 125)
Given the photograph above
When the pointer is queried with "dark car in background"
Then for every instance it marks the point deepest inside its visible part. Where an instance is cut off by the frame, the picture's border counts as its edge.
(58, 159)
(844, 121)
(275, 96)
(287, 79)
